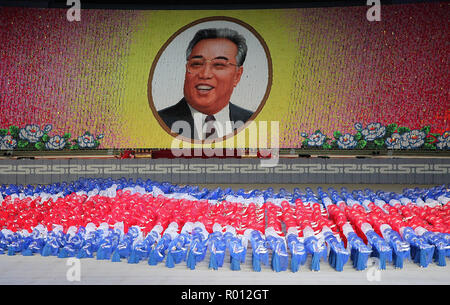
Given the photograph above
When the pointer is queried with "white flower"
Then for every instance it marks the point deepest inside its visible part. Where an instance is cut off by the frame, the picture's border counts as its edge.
(55, 143)
(86, 141)
(373, 131)
(346, 141)
(443, 140)
(48, 128)
(358, 126)
(394, 142)
(7, 143)
(316, 139)
(31, 133)
(413, 138)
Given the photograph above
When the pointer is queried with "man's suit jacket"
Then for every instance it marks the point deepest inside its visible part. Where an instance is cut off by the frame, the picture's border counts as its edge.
(181, 112)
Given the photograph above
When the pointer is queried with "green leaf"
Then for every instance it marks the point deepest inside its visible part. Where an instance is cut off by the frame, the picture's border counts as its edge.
(429, 146)
(337, 134)
(391, 128)
(305, 142)
(426, 129)
(39, 146)
(435, 134)
(358, 136)
(45, 138)
(379, 142)
(361, 144)
(75, 146)
(3, 132)
(22, 143)
(371, 145)
(430, 139)
(403, 130)
(326, 146)
(67, 135)
(14, 130)
(318, 131)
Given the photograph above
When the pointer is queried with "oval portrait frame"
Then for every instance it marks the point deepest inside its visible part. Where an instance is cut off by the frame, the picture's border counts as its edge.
(170, 40)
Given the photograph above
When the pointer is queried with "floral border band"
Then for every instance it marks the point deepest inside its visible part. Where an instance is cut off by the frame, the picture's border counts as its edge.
(373, 136)
(377, 136)
(32, 137)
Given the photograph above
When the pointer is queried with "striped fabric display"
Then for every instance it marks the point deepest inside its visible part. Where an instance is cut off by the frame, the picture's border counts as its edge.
(157, 222)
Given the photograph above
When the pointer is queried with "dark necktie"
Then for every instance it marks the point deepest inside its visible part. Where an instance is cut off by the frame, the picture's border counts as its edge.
(209, 126)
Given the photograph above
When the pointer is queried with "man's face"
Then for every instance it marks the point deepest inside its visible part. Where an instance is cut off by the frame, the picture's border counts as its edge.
(208, 89)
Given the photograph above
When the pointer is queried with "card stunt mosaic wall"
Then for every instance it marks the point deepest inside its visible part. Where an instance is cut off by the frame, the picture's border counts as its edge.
(331, 78)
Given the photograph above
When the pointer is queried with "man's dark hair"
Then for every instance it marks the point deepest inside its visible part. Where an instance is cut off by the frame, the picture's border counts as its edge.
(229, 34)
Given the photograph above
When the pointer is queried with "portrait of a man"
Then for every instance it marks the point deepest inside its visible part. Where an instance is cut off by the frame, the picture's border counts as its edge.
(214, 66)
